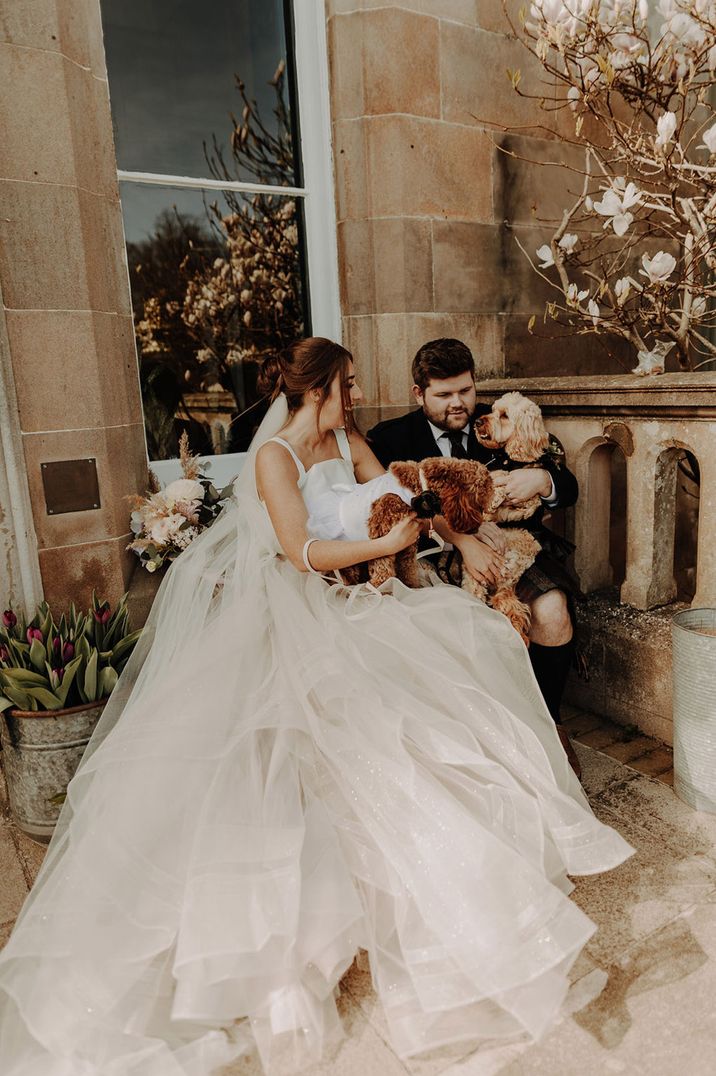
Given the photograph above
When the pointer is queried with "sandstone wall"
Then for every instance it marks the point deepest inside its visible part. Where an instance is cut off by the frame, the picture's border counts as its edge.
(64, 286)
(422, 112)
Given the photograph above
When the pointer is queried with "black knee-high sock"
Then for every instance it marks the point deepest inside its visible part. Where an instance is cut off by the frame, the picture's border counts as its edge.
(551, 667)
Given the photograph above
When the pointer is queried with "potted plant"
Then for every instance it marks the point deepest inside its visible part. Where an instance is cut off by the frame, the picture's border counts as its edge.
(54, 681)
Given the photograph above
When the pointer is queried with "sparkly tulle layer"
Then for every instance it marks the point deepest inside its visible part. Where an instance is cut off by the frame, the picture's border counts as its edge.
(288, 773)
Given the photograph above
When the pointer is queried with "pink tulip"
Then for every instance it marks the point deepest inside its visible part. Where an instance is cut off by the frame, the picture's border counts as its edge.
(9, 619)
(4, 653)
(34, 633)
(103, 614)
(68, 652)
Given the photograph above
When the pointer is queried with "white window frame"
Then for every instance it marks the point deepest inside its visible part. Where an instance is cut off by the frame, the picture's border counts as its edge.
(317, 195)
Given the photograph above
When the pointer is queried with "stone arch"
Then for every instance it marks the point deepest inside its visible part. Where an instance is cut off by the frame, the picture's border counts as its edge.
(600, 526)
(686, 465)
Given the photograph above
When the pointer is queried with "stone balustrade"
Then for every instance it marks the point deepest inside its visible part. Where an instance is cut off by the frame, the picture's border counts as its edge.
(652, 420)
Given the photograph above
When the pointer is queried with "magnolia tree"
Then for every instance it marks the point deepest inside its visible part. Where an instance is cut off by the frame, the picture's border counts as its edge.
(634, 253)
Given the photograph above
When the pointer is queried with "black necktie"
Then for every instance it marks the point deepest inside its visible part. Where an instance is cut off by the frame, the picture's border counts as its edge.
(456, 445)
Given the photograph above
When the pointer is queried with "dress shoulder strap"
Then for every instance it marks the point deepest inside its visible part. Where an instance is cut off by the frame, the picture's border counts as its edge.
(344, 446)
(296, 460)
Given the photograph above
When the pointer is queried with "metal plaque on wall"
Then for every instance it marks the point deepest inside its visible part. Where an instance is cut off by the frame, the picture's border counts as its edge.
(70, 486)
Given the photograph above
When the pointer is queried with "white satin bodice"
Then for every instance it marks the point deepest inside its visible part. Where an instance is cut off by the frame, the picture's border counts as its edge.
(338, 505)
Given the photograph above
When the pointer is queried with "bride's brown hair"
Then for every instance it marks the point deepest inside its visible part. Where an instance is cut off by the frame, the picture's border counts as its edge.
(305, 366)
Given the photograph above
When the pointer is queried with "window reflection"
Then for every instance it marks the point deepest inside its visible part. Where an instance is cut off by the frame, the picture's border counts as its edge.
(216, 286)
(182, 76)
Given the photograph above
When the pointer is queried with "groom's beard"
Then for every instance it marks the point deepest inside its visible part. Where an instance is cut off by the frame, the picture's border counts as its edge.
(448, 419)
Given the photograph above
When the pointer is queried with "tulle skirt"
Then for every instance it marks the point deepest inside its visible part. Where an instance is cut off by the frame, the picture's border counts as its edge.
(318, 770)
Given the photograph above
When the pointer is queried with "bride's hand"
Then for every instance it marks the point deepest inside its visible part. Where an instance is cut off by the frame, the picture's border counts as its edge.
(401, 535)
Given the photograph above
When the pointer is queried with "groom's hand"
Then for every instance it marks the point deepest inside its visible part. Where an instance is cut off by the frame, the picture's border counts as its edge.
(524, 483)
(493, 535)
(483, 563)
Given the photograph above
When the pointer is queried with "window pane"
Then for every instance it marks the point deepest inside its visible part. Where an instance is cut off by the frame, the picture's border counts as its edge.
(217, 284)
(174, 72)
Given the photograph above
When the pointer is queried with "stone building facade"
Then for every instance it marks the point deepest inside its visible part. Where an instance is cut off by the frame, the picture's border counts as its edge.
(433, 159)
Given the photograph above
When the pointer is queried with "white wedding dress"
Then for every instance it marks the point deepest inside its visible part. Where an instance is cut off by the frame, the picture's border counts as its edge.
(290, 771)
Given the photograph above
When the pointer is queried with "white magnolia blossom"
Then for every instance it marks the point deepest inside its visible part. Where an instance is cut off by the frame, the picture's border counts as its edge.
(665, 127)
(575, 296)
(616, 203)
(698, 307)
(568, 242)
(710, 139)
(652, 362)
(622, 289)
(659, 268)
(544, 253)
(593, 309)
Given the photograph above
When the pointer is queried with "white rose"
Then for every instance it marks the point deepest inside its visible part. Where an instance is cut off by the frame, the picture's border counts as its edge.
(161, 531)
(183, 489)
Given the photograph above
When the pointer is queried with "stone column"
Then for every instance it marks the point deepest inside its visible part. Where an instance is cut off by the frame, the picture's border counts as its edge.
(651, 506)
(64, 283)
(20, 582)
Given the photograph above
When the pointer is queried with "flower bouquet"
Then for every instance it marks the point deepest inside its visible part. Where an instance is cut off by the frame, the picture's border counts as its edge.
(166, 521)
(45, 665)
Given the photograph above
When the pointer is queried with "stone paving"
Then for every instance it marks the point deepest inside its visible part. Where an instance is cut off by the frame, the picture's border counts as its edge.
(643, 994)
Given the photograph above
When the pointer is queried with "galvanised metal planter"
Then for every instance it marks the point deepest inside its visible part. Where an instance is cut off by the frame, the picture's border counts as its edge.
(694, 670)
(41, 751)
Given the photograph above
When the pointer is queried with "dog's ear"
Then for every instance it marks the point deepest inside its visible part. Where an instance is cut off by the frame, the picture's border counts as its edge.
(465, 494)
(407, 474)
(529, 440)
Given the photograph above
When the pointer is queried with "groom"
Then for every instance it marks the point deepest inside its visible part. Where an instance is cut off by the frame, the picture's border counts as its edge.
(444, 386)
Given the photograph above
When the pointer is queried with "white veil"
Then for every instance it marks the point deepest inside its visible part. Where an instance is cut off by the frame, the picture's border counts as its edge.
(203, 580)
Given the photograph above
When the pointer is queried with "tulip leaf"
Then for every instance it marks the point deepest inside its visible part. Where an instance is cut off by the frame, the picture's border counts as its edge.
(108, 678)
(25, 677)
(90, 684)
(18, 696)
(37, 654)
(5, 704)
(123, 648)
(70, 670)
(47, 698)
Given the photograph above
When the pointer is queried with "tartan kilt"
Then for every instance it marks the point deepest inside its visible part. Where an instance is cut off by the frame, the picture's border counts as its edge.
(550, 570)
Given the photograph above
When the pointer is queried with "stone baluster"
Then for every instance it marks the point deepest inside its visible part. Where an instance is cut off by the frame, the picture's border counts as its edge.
(651, 508)
(706, 557)
(591, 529)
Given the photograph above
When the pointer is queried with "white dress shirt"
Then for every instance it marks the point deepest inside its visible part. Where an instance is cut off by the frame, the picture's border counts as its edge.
(442, 440)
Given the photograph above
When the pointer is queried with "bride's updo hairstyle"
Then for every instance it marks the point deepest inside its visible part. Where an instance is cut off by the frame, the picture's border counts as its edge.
(305, 366)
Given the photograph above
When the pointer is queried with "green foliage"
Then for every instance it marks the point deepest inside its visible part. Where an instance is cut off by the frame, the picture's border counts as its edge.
(47, 664)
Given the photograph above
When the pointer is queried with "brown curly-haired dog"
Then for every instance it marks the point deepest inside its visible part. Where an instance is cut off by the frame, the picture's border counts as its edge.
(514, 425)
(464, 489)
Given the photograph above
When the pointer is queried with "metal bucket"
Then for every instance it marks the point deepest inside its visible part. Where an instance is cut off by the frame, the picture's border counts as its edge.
(694, 645)
(41, 751)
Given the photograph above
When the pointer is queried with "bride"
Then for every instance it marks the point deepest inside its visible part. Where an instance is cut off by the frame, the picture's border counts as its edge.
(291, 770)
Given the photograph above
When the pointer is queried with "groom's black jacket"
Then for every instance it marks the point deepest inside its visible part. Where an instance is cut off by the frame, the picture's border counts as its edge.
(410, 438)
